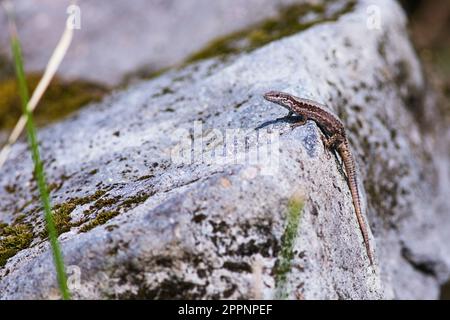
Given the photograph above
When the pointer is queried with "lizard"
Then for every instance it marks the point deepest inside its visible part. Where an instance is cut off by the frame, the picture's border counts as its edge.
(334, 139)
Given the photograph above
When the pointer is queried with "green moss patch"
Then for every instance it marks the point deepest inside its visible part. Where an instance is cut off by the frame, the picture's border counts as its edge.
(61, 217)
(284, 262)
(132, 201)
(13, 238)
(287, 22)
(61, 212)
(101, 208)
(100, 219)
(104, 216)
(60, 99)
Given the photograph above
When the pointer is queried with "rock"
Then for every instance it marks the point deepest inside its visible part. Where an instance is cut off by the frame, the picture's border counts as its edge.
(117, 39)
(141, 216)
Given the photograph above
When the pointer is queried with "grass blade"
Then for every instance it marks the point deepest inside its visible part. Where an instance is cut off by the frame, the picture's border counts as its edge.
(49, 73)
(38, 165)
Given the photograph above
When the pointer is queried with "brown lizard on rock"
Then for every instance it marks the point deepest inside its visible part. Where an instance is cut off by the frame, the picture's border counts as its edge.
(334, 139)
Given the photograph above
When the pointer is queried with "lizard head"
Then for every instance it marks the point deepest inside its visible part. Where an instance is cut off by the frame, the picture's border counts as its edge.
(281, 98)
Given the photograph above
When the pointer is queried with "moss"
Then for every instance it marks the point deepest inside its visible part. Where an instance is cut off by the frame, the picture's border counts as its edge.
(286, 23)
(20, 235)
(20, 218)
(92, 172)
(101, 219)
(104, 202)
(146, 177)
(52, 187)
(74, 202)
(60, 99)
(129, 202)
(283, 264)
(164, 91)
(13, 238)
(61, 212)
(61, 217)
(143, 73)
(6, 68)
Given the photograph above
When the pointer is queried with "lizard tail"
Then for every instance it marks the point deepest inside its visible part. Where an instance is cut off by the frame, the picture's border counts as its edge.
(344, 152)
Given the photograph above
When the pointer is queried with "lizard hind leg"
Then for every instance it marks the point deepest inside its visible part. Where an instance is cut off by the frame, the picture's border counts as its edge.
(328, 143)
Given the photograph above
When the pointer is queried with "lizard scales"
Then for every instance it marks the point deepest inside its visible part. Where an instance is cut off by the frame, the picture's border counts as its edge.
(335, 138)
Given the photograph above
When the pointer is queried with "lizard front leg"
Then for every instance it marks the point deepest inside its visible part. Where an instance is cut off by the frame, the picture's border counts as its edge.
(291, 115)
(299, 120)
(298, 123)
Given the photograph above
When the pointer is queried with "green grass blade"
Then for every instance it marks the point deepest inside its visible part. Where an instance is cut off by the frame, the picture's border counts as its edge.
(39, 168)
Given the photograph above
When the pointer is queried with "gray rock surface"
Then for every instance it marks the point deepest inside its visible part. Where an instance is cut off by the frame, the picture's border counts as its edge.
(118, 38)
(187, 228)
